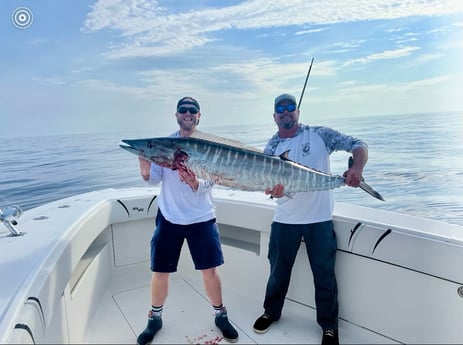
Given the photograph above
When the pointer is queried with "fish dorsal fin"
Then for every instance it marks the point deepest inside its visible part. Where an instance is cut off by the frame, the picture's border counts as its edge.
(224, 141)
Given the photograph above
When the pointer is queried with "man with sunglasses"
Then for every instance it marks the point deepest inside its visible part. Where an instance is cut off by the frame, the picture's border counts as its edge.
(186, 211)
(306, 215)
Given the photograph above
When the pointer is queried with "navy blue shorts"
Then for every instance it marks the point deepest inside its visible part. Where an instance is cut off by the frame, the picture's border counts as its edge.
(202, 238)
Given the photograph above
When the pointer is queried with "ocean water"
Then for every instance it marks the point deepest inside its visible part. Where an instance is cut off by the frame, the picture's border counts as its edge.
(415, 162)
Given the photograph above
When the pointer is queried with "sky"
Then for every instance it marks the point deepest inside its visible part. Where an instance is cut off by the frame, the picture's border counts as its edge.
(87, 66)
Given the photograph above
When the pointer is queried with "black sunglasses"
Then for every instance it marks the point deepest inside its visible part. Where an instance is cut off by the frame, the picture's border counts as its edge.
(281, 108)
(183, 110)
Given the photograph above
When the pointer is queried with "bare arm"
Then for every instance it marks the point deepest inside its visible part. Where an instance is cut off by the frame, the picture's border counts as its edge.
(145, 167)
(353, 176)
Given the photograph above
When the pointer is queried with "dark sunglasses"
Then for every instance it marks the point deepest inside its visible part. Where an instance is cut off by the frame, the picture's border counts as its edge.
(183, 110)
(281, 108)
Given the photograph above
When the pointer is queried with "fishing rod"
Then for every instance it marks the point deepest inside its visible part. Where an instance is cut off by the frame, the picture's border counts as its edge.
(305, 84)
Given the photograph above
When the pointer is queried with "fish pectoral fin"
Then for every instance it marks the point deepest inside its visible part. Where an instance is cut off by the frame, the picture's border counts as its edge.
(288, 195)
(284, 194)
(284, 156)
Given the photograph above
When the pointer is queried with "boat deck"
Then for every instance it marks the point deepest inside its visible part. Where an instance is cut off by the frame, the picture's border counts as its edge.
(188, 317)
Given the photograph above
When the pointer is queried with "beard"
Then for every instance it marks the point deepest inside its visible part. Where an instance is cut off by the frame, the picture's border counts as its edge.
(287, 122)
(188, 125)
(287, 125)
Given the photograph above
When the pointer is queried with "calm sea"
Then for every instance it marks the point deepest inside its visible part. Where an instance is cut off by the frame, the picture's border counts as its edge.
(414, 162)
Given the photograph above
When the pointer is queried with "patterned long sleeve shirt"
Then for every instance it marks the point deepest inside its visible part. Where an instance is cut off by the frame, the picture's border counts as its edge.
(311, 146)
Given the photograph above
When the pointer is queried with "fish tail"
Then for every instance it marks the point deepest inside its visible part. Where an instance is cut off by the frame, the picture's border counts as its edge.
(367, 188)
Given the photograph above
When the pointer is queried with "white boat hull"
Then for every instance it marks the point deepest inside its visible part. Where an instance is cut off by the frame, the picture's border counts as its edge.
(80, 274)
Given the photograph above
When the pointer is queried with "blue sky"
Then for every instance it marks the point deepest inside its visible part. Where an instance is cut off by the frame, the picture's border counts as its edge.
(121, 65)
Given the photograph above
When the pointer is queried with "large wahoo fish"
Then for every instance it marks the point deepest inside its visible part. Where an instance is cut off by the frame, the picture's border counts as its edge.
(232, 164)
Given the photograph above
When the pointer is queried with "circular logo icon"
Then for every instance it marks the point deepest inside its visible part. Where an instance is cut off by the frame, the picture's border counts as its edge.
(460, 291)
(22, 17)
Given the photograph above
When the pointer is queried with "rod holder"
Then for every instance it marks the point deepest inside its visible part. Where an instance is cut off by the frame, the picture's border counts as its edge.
(8, 216)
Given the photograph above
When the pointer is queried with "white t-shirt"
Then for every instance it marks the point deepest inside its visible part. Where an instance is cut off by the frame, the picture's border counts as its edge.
(178, 203)
(311, 146)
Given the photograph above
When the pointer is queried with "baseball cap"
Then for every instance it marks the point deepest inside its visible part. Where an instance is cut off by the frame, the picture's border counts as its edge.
(285, 97)
(188, 100)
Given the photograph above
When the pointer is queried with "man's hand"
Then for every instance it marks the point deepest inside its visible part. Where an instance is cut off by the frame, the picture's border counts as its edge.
(352, 177)
(189, 177)
(145, 167)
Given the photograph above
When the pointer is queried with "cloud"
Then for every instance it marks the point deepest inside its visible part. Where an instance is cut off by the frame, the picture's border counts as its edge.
(151, 29)
(385, 55)
(344, 47)
(441, 80)
(429, 57)
(304, 32)
(351, 91)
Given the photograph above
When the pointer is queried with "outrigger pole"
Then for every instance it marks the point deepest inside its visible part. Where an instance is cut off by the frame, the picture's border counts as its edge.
(305, 84)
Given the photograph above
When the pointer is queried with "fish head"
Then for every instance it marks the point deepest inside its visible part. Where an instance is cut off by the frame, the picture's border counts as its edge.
(164, 153)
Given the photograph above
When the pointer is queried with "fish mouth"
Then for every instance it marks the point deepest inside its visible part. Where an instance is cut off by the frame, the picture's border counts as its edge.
(130, 148)
(125, 144)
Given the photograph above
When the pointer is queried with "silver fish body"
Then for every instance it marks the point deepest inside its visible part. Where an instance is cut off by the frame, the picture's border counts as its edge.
(231, 166)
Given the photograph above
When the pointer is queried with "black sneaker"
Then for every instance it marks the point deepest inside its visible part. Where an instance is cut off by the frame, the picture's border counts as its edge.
(330, 337)
(154, 325)
(263, 323)
(228, 331)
